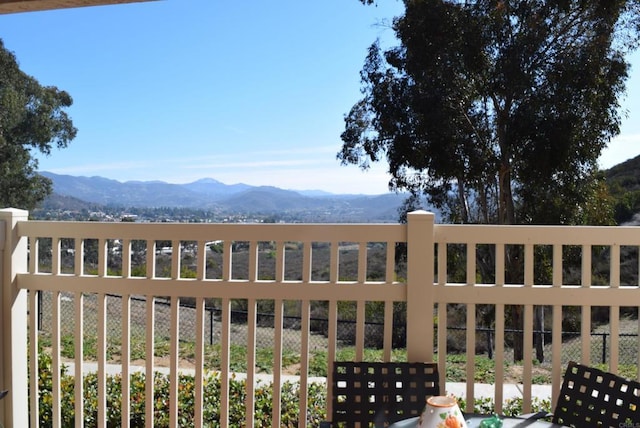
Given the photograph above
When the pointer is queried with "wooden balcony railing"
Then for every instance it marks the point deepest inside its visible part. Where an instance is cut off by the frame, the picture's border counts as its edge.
(480, 274)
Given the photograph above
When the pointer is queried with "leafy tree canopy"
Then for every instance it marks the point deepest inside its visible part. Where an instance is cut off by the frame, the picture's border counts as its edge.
(32, 118)
(497, 111)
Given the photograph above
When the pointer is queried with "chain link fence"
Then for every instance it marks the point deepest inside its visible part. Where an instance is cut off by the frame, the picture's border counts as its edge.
(571, 345)
(291, 337)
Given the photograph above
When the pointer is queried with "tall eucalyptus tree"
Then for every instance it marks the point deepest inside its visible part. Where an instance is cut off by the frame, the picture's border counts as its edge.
(496, 111)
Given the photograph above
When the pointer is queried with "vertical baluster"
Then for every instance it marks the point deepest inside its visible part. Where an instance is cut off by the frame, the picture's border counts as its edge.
(614, 311)
(174, 336)
(225, 337)
(199, 388)
(528, 329)
(55, 360)
(361, 304)
(556, 338)
(585, 322)
(173, 360)
(102, 257)
(125, 359)
(34, 251)
(251, 337)
(499, 358)
(471, 352)
(79, 359)
(34, 402)
(201, 273)
(278, 336)
(499, 334)
(277, 361)
(126, 258)
(471, 320)
(149, 363)
(55, 255)
(101, 309)
(125, 351)
(390, 260)
(527, 363)
(556, 335)
(332, 327)
(304, 369)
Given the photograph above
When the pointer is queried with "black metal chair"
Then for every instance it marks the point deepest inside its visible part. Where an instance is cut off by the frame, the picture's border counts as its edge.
(590, 397)
(378, 394)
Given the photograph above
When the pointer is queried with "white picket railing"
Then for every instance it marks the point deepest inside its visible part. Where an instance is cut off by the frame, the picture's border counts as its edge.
(428, 291)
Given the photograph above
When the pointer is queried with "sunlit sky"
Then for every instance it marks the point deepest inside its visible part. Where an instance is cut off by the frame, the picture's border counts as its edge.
(248, 92)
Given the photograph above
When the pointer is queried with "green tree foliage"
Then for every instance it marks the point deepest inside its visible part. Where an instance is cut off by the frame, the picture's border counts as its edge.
(497, 111)
(32, 118)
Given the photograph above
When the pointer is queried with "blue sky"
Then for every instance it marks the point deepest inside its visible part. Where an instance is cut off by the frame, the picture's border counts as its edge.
(239, 91)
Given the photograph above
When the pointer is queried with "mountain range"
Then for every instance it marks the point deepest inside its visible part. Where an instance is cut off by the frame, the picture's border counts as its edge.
(211, 194)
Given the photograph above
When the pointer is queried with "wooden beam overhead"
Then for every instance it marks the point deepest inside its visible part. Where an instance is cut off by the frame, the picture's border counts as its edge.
(16, 6)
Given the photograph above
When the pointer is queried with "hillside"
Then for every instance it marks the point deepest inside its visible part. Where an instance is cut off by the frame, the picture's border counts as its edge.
(623, 181)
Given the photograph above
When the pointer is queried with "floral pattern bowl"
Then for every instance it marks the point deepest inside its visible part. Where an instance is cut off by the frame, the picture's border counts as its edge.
(442, 412)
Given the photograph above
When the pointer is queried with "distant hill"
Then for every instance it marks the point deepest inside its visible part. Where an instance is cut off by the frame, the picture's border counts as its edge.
(626, 174)
(214, 188)
(62, 202)
(71, 192)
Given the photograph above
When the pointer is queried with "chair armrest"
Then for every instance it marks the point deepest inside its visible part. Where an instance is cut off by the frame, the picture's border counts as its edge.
(534, 416)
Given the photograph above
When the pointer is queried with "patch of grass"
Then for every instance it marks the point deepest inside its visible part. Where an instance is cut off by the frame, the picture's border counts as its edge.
(456, 365)
(541, 379)
(138, 348)
(67, 346)
(349, 354)
(161, 347)
(318, 364)
(629, 371)
(485, 370)
(237, 357)
(318, 360)
(187, 350)
(264, 359)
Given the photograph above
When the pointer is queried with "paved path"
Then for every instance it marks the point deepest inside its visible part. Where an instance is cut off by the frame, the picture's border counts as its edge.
(510, 390)
(459, 389)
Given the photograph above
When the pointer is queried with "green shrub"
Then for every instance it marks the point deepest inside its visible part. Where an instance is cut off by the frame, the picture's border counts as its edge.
(186, 400)
(316, 408)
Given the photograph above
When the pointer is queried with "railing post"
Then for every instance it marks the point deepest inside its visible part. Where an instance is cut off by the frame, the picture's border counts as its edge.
(14, 408)
(420, 282)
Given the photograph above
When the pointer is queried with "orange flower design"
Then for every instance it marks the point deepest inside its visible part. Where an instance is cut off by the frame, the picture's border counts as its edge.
(452, 422)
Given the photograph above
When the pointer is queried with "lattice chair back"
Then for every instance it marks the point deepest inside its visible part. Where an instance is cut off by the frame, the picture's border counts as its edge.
(379, 394)
(593, 398)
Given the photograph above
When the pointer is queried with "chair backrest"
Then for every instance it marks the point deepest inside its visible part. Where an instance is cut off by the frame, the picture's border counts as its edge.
(593, 398)
(367, 393)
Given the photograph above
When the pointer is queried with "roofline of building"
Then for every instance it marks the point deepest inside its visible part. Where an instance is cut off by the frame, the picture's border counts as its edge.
(18, 6)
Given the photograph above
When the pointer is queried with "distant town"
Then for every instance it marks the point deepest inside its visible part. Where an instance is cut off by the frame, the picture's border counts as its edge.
(164, 215)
